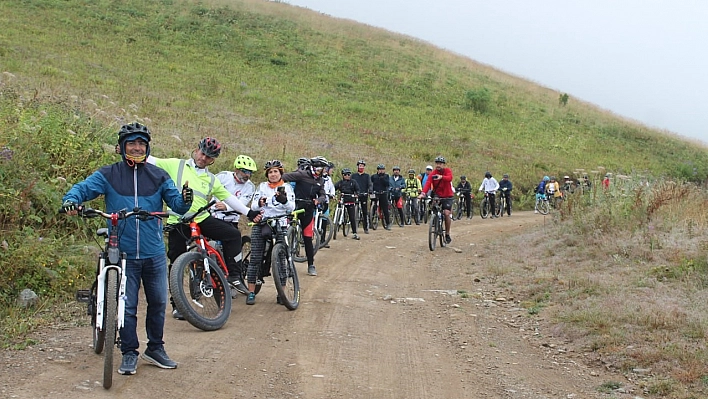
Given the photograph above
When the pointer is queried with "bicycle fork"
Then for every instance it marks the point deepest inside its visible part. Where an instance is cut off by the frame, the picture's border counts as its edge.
(101, 293)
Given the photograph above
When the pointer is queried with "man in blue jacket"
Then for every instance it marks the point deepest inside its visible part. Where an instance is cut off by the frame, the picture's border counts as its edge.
(125, 185)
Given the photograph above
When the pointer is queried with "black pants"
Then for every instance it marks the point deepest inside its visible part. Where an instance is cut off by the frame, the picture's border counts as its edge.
(364, 211)
(351, 209)
(467, 199)
(383, 205)
(492, 203)
(507, 197)
(215, 229)
(394, 203)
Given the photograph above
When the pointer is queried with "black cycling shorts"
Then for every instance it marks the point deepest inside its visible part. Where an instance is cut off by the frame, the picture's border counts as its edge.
(446, 203)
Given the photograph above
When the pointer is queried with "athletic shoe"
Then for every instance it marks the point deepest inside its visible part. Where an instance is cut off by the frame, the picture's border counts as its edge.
(311, 270)
(251, 299)
(177, 315)
(159, 358)
(388, 227)
(236, 284)
(447, 238)
(129, 365)
(356, 237)
(366, 231)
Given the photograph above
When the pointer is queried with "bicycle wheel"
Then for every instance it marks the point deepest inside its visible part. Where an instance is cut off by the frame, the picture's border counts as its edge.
(455, 209)
(395, 215)
(326, 224)
(499, 203)
(99, 335)
(441, 230)
(110, 326)
(345, 223)
(432, 232)
(374, 215)
(336, 221)
(457, 214)
(423, 211)
(484, 208)
(407, 212)
(297, 246)
(285, 277)
(544, 207)
(203, 299)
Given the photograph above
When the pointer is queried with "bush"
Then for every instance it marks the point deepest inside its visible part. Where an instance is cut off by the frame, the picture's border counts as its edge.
(479, 100)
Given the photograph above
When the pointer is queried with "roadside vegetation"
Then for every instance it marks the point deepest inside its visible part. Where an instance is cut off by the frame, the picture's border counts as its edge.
(621, 273)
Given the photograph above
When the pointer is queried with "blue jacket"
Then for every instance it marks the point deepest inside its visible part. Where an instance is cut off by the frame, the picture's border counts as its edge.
(118, 184)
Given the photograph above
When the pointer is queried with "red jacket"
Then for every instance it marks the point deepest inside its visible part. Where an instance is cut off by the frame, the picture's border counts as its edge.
(441, 187)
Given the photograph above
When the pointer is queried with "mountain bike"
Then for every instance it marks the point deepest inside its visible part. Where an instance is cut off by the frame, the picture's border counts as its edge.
(485, 207)
(393, 210)
(542, 205)
(341, 216)
(376, 214)
(501, 205)
(198, 283)
(423, 206)
(324, 227)
(278, 259)
(106, 298)
(435, 228)
(410, 212)
(297, 245)
(460, 205)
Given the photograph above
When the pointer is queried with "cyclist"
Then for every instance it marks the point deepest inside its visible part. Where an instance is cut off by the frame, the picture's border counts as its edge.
(412, 190)
(465, 189)
(505, 187)
(350, 192)
(141, 240)
(541, 190)
(205, 185)
(424, 176)
(440, 182)
(309, 193)
(364, 181)
(397, 183)
(239, 184)
(586, 185)
(273, 198)
(606, 182)
(490, 186)
(381, 184)
(553, 190)
(330, 192)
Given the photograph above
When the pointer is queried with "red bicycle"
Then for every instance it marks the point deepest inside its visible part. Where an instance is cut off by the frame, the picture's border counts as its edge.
(198, 282)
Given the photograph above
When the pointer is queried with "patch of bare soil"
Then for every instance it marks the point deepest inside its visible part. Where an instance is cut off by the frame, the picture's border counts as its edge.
(385, 318)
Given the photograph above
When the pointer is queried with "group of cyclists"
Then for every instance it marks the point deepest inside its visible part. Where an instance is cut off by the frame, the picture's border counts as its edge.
(549, 189)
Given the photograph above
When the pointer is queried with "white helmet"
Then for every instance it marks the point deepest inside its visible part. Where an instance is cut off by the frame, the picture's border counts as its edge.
(429, 167)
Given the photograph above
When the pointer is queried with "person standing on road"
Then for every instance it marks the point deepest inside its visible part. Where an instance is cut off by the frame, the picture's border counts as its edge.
(125, 185)
(350, 191)
(440, 183)
(381, 184)
(490, 186)
(363, 180)
(424, 176)
(465, 189)
(412, 190)
(205, 184)
(397, 183)
(239, 184)
(505, 187)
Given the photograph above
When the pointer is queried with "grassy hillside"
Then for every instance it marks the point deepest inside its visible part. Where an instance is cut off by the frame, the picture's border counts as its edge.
(273, 80)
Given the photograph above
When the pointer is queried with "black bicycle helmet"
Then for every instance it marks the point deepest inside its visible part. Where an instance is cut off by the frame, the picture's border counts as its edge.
(506, 175)
(411, 171)
(346, 171)
(440, 159)
(275, 163)
(319, 162)
(331, 165)
(380, 166)
(488, 175)
(210, 147)
(398, 168)
(463, 177)
(360, 162)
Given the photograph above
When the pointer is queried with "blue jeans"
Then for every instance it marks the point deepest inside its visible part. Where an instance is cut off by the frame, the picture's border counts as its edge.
(153, 273)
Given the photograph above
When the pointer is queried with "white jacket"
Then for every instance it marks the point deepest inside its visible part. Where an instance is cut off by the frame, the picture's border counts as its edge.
(489, 185)
(273, 207)
(243, 191)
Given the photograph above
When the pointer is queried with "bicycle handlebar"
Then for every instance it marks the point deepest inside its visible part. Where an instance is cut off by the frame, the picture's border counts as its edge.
(292, 214)
(141, 214)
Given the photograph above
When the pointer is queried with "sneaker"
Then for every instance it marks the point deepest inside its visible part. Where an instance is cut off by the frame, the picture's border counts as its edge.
(388, 227)
(366, 231)
(251, 299)
(311, 270)
(535, 211)
(159, 358)
(177, 315)
(356, 237)
(236, 284)
(447, 238)
(129, 365)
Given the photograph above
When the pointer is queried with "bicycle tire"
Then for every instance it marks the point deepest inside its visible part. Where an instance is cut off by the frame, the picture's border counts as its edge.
(499, 202)
(326, 223)
(285, 277)
(297, 246)
(345, 223)
(204, 307)
(374, 215)
(395, 215)
(109, 325)
(441, 234)
(484, 208)
(408, 212)
(98, 335)
(460, 209)
(455, 208)
(545, 207)
(423, 211)
(432, 232)
(337, 221)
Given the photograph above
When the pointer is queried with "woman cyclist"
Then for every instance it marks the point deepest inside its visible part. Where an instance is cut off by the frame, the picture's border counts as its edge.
(273, 197)
(350, 193)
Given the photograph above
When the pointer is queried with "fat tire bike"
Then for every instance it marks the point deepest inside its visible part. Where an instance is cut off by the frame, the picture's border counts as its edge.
(198, 283)
(436, 232)
(277, 259)
(106, 298)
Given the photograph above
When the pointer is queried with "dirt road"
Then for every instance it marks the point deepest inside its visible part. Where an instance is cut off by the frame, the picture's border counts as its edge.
(385, 318)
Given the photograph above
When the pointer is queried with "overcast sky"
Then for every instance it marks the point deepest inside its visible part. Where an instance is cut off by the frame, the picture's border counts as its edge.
(642, 59)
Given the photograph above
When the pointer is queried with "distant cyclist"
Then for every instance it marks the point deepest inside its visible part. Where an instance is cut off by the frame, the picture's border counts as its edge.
(439, 183)
(541, 190)
(490, 186)
(381, 184)
(413, 190)
(398, 183)
(365, 188)
(505, 187)
(465, 189)
(350, 193)
(238, 183)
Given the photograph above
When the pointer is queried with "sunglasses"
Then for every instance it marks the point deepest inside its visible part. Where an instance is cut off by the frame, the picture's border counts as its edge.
(346, 174)
(246, 171)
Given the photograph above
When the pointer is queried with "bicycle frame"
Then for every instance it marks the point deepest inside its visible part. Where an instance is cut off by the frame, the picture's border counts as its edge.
(199, 242)
(114, 256)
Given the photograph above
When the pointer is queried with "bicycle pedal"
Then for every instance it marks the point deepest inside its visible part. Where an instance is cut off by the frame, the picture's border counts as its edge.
(83, 296)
